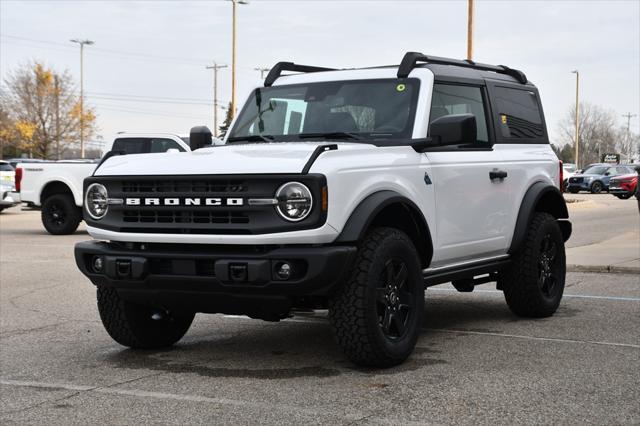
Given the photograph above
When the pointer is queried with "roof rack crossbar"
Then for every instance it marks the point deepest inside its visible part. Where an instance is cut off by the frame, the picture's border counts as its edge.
(290, 66)
(410, 60)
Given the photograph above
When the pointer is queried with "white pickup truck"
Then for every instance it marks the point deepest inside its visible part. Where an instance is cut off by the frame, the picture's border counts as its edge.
(56, 186)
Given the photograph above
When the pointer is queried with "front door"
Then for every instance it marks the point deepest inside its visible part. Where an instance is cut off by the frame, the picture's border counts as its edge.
(472, 208)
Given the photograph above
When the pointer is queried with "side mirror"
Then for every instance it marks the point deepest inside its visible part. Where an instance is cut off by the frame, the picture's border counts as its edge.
(199, 137)
(607, 173)
(456, 129)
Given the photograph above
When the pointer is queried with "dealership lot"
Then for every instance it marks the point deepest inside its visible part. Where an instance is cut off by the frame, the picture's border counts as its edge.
(475, 362)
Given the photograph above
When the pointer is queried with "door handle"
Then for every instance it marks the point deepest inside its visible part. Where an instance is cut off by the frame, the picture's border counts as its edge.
(497, 174)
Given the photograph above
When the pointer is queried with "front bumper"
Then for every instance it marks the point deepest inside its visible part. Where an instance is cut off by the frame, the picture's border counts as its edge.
(215, 279)
(582, 186)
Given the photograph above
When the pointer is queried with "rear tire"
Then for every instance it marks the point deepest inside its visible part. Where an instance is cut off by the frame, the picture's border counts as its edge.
(596, 187)
(376, 315)
(139, 326)
(534, 282)
(60, 215)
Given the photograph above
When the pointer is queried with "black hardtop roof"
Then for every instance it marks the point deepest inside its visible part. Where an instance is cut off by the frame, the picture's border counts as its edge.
(442, 68)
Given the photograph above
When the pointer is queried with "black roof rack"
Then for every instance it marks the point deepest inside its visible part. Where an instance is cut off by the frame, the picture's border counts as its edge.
(290, 66)
(411, 58)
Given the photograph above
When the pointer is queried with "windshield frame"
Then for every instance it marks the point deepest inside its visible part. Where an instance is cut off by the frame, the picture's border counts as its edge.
(363, 137)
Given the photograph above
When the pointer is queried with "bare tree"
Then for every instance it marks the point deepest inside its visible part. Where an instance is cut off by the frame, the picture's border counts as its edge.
(43, 111)
(599, 132)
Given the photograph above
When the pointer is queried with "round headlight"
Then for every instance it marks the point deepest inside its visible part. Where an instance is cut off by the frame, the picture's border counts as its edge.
(95, 200)
(294, 201)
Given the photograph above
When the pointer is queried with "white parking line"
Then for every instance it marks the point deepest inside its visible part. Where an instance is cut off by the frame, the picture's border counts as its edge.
(546, 339)
(269, 407)
(320, 320)
(579, 296)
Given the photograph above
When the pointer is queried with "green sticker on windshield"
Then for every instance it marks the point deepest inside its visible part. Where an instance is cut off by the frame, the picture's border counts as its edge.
(400, 87)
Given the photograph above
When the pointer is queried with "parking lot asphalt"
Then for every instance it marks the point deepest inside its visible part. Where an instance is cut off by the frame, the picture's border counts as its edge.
(474, 363)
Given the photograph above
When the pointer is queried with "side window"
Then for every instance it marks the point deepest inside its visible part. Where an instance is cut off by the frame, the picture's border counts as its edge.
(130, 145)
(450, 99)
(518, 114)
(623, 170)
(163, 145)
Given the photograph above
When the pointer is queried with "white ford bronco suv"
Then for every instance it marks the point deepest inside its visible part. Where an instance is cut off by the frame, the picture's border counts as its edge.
(349, 190)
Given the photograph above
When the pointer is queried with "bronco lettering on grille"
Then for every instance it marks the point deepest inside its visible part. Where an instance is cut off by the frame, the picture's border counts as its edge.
(192, 201)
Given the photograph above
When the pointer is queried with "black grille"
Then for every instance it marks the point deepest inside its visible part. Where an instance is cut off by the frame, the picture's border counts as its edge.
(184, 186)
(189, 216)
(576, 180)
(221, 218)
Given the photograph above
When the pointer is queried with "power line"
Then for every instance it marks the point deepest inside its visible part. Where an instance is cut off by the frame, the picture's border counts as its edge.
(134, 55)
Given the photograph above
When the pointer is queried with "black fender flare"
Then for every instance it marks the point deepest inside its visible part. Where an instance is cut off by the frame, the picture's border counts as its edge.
(553, 203)
(365, 213)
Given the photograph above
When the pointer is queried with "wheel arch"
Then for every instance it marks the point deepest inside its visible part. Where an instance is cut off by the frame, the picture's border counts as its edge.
(389, 208)
(540, 197)
(56, 187)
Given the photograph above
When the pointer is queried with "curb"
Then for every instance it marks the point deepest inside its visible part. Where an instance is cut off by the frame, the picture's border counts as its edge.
(604, 268)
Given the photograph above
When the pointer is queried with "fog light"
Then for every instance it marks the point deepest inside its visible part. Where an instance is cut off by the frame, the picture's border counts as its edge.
(283, 271)
(98, 263)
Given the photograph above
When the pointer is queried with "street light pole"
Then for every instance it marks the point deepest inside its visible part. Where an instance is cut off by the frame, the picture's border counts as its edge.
(470, 30)
(233, 55)
(577, 136)
(628, 116)
(262, 71)
(82, 43)
(215, 67)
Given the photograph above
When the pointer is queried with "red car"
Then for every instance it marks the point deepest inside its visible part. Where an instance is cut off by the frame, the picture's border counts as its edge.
(623, 186)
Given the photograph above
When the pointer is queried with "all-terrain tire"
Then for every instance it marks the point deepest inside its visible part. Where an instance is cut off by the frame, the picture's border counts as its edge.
(376, 315)
(60, 215)
(534, 282)
(133, 325)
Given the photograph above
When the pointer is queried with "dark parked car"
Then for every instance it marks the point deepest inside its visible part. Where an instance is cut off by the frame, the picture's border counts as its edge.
(623, 186)
(595, 179)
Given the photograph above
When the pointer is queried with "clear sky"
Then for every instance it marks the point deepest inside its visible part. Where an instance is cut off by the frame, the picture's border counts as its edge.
(146, 71)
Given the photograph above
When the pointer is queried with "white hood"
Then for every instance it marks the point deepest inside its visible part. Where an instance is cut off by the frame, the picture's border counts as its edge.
(225, 159)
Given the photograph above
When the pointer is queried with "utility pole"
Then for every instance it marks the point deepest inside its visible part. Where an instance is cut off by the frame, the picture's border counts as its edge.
(56, 82)
(470, 30)
(262, 71)
(628, 116)
(577, 136)
(82, 43)
(233, 55)
(215, 67)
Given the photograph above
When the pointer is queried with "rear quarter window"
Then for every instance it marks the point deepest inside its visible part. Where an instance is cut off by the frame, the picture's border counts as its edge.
(518, 115)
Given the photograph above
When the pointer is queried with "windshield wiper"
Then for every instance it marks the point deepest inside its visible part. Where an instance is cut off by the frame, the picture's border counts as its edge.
(330, 135)
(252, 138)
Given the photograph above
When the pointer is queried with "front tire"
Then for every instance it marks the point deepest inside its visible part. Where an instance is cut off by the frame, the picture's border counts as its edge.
(534, 282)
(624, 196)
(139, 326)
(376, 315)
(60, 215)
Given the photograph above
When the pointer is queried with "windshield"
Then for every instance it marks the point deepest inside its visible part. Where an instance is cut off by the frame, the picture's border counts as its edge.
(361, 109)
(596, 170)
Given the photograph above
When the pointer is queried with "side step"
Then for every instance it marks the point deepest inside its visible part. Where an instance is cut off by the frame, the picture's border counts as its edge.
(465, 275)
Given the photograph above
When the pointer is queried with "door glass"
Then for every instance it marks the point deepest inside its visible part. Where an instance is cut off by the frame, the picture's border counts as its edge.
(450, 99)
(518, 113)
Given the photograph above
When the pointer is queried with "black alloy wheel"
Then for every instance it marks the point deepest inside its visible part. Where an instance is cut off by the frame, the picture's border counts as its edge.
(395, 300)
(549, 267)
